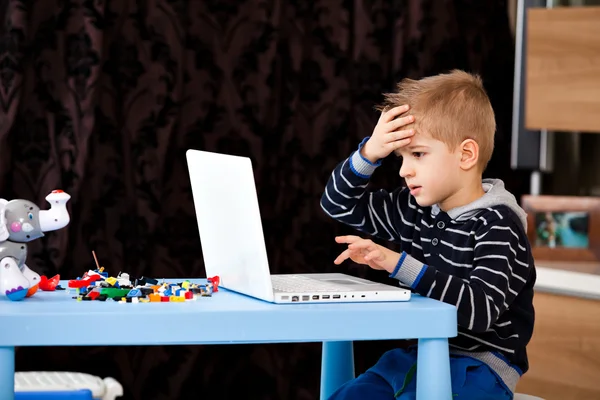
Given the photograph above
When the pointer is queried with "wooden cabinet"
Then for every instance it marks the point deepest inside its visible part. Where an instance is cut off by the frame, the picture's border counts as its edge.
(564, 353)
(563, 69)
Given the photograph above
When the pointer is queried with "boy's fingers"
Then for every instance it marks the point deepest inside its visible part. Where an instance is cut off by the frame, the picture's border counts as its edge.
(365, 244)
(391, 114)
(399, 144)
(347, 239)
(400, 122)
(399, 135)
(344, 255)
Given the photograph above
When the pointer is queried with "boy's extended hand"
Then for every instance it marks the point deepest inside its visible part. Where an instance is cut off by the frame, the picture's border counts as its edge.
(365, 251)
(387, 135)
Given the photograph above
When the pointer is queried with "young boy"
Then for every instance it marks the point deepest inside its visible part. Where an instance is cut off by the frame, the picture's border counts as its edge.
(462, 238)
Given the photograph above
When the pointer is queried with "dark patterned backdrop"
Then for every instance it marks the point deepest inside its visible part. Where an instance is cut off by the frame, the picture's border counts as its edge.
(102, 98)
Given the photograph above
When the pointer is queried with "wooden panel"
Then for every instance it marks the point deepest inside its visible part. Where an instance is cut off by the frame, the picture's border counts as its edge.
(564, 353)
(563, 69)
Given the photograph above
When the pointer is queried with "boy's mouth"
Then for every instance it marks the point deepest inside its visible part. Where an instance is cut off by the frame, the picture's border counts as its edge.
(414, 189)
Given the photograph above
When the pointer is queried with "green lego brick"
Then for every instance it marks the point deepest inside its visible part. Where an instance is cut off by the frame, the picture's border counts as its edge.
(114, 292)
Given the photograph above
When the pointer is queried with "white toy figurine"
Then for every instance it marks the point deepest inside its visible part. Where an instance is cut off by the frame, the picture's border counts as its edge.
(21, 221)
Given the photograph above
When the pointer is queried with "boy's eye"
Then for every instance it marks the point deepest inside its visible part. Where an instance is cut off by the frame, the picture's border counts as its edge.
(417, 154)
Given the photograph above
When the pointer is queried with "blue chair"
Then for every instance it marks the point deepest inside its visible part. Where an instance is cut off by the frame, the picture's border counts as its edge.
(36, 385)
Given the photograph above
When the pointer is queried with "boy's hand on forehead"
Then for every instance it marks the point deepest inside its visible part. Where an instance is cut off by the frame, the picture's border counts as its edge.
(388, 134)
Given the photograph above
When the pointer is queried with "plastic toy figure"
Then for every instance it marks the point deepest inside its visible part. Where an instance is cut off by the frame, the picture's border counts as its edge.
(22, 221)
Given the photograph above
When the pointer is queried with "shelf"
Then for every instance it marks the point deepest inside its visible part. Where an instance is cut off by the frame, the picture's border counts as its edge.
(551, 279)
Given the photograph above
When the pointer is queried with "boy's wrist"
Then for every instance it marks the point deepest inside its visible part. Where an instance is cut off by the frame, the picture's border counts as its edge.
(359, 164)
(391, 261)
(364, 152)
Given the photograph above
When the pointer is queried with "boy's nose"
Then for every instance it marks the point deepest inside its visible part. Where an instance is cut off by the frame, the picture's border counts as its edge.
(406, 170)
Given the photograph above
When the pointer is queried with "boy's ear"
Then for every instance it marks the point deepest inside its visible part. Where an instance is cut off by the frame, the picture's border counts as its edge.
(469, 154)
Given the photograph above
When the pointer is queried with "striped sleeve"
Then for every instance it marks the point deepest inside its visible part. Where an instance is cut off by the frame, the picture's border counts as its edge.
(346, 199)
(499, 272)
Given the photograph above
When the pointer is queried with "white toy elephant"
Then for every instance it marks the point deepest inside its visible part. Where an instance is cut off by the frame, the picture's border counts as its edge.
(21, 221)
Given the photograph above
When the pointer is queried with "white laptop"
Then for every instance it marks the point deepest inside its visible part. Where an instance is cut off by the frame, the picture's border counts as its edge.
(234, 248)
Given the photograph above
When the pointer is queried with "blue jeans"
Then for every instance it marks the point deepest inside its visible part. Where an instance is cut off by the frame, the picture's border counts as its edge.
(394, 377)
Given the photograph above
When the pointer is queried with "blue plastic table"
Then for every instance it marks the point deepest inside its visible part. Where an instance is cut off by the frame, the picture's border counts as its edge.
(44, 320)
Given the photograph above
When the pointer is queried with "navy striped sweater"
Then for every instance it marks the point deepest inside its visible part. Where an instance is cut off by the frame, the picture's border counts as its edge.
(476, 257)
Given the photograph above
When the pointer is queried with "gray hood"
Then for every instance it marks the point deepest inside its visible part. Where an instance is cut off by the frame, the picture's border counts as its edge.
(495, 194)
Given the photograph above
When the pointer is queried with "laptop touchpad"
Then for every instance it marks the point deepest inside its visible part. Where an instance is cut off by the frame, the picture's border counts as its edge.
(344, 281)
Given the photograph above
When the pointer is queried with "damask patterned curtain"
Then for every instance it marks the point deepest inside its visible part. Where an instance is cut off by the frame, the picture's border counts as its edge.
(101, 98)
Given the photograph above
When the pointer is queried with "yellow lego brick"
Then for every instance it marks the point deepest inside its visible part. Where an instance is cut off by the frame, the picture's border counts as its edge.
(177, 299)
(185, 285)
(111, 281)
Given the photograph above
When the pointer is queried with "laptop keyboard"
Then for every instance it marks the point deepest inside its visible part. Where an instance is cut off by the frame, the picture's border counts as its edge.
(302, 284)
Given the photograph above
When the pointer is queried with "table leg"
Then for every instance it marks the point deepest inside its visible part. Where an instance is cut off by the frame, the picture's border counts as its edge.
(337, 366)
(433, 370)
(7, 373)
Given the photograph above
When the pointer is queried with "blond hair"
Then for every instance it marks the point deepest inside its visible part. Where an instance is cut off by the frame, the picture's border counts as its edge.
(451, 108)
